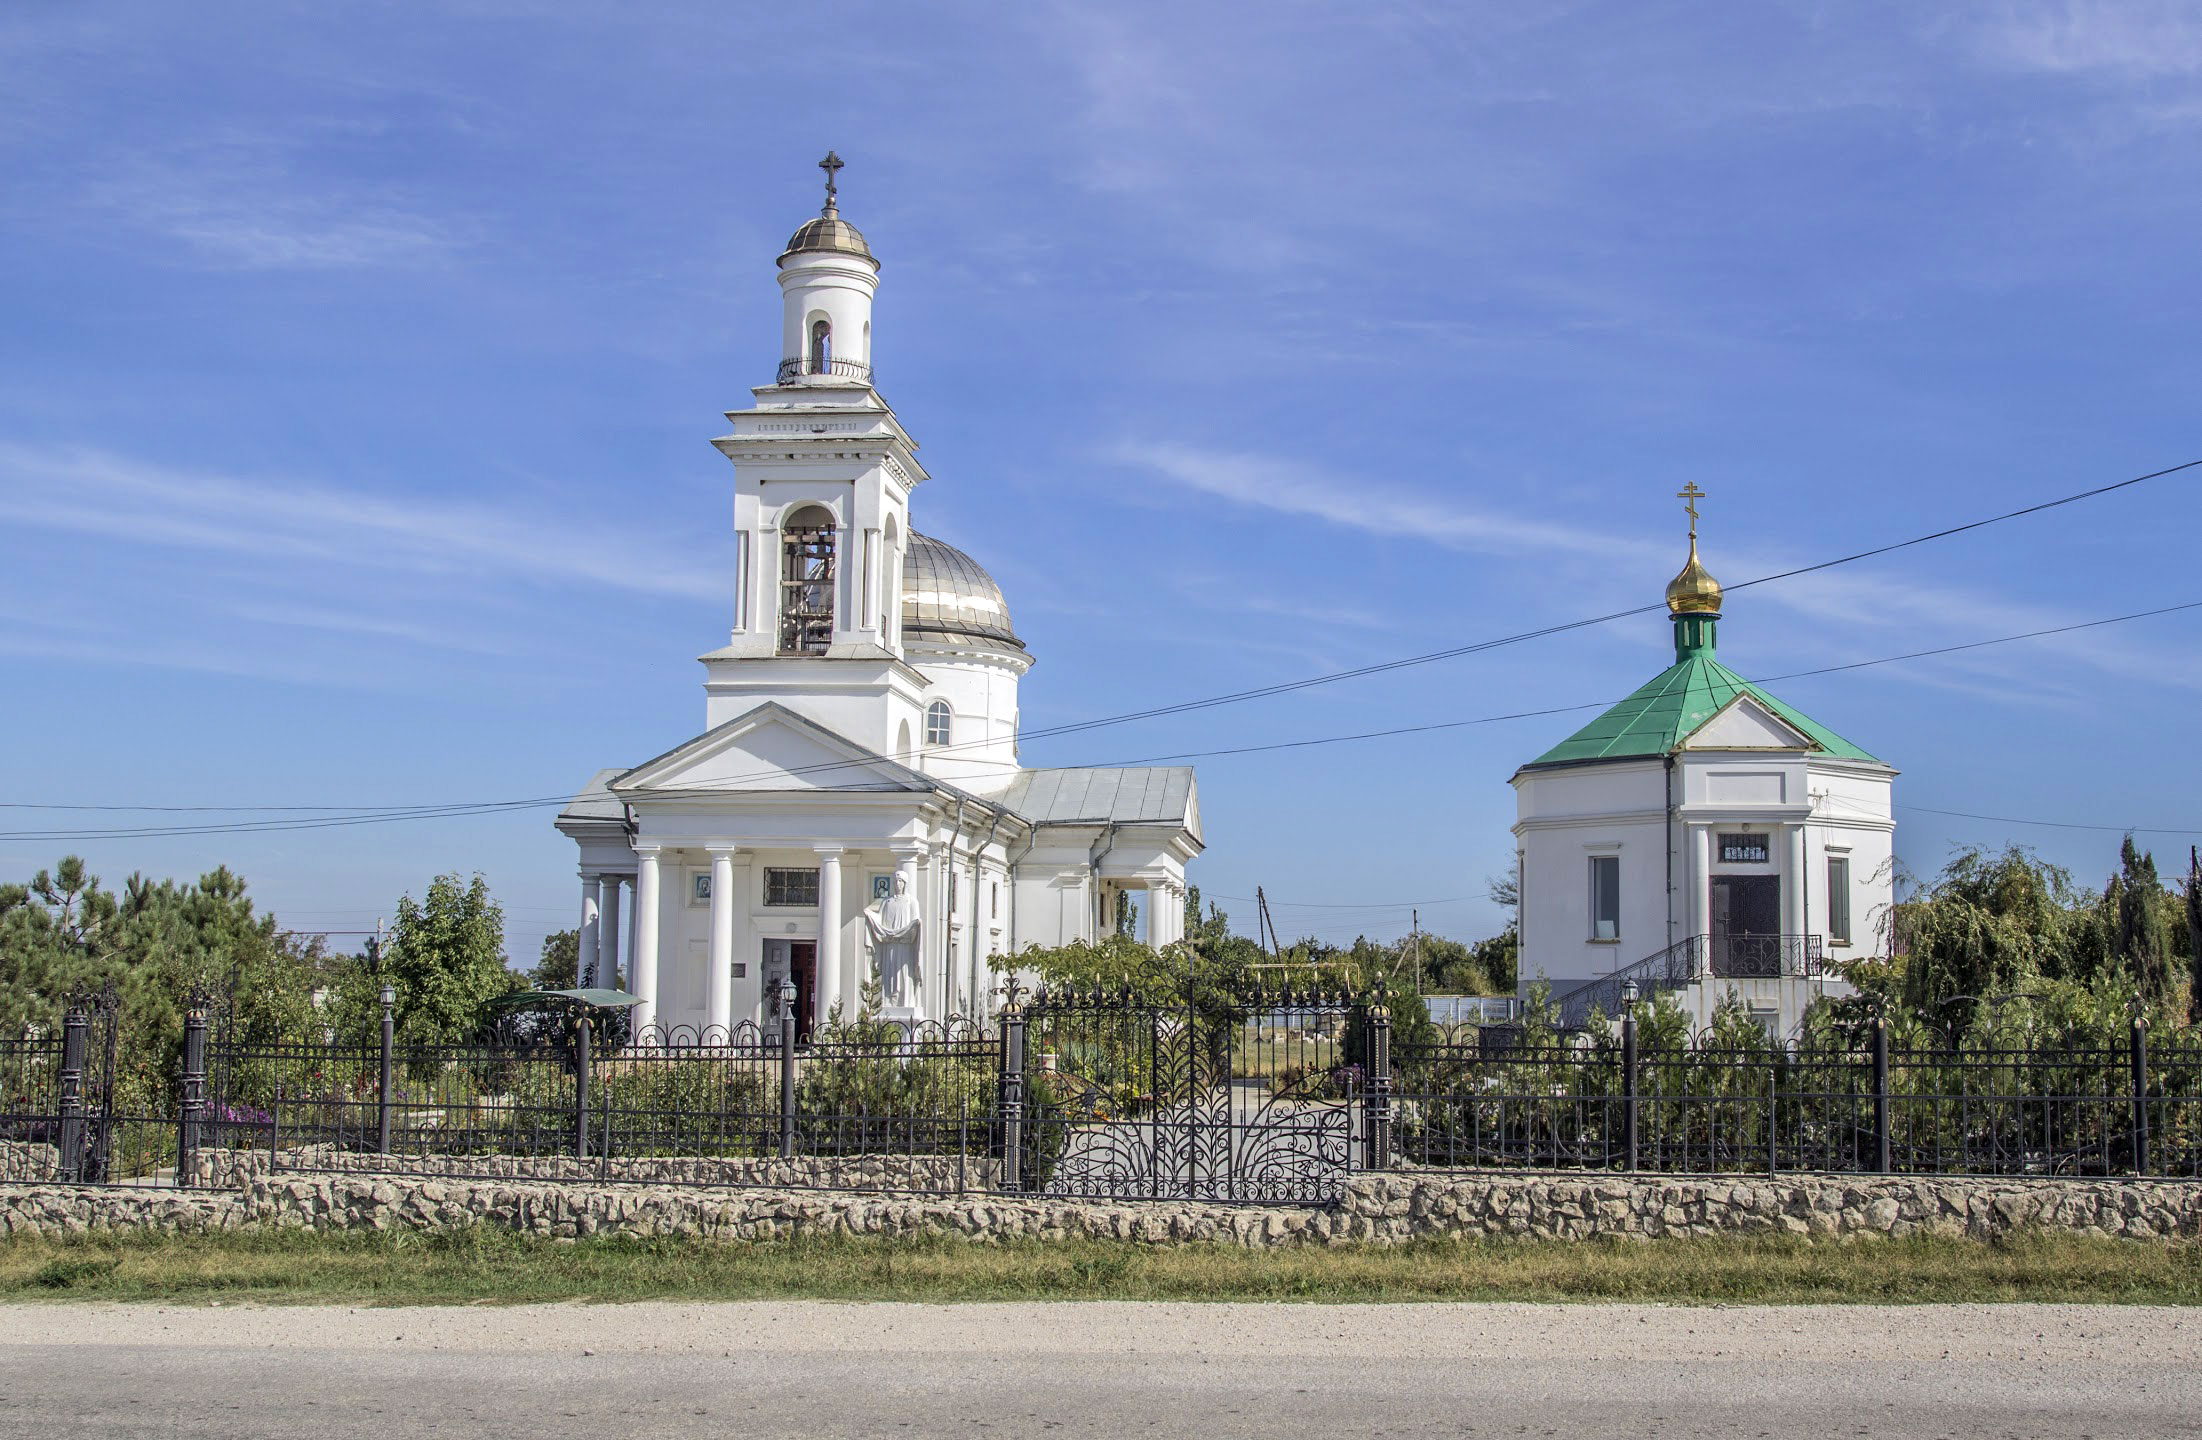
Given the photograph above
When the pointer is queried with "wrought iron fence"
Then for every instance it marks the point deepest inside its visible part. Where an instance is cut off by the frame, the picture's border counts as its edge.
(864, 1106)
(1271, 1098)
(1591, 1103)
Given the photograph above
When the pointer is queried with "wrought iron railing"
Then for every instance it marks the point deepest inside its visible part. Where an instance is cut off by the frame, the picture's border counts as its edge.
(2100, 1109)
(1699, 957)
(796, 367)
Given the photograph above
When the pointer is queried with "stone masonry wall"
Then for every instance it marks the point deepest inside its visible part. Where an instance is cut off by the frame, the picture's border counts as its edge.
(1376, 1209)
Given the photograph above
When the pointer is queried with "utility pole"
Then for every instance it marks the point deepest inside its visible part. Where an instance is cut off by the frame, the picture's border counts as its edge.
(1415, 933)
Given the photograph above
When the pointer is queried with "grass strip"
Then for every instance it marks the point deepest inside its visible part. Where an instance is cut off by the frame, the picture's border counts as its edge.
(487, 1265)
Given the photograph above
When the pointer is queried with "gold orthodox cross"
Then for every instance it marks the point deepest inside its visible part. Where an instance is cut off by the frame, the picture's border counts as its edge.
(831, 164)
(1689, 495)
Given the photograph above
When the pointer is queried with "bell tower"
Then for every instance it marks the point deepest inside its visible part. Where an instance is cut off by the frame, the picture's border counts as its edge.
(822, 478)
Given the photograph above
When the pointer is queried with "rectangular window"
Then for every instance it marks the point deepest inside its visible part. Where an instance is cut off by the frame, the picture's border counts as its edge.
(1744, 850)
(1605, 897)
(1838, 899)
(994, 900)
(791, 887)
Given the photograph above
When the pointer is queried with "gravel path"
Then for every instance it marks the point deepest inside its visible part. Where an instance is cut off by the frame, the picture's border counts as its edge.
(1100, 1369)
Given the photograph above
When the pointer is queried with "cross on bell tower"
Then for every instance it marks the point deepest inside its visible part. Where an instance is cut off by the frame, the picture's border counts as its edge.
(832, 165)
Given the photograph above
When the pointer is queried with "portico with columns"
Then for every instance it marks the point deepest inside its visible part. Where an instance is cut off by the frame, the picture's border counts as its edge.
(861, 724)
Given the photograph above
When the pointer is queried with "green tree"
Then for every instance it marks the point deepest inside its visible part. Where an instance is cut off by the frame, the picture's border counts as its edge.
(560, 965)
(1990, 924)
(158, 945)
(446, 957)
(2194, 934)
(2140, 931)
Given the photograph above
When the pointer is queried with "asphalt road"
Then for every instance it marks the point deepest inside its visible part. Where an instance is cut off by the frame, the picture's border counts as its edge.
(816, 1370)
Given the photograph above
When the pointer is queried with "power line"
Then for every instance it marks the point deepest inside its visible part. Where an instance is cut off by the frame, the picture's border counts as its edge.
(1601, 704)
(435, 812)
(1322, 905)
(372, 815)
(2052, 824)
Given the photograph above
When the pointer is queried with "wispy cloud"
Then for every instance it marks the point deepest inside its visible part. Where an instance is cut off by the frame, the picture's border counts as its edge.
(1292, 488)
(1922, 611)
(94, 492)
(245, 204)
(2129, 39)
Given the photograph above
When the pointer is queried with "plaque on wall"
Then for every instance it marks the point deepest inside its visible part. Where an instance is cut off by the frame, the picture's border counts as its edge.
(1744, 849)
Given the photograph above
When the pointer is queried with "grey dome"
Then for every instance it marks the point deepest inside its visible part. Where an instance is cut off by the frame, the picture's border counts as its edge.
(946, 595)
(828, 232)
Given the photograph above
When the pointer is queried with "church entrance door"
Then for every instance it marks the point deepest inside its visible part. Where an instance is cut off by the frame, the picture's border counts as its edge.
(1746, 926)
(795, 960)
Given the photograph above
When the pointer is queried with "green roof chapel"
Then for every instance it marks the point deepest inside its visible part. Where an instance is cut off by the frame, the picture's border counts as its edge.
(1665, 711)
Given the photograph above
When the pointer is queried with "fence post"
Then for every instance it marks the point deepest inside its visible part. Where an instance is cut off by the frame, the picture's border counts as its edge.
(1013, 1094)
(2139, 1058)
(1630, 1142)
(389, 1066)
(581, 1087)
(787, 1069)
(191, 1111)
(1881, 1138)
(1378, 1143)
(75, 1028)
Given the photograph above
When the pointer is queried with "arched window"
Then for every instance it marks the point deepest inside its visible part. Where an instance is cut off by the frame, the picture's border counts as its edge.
(937, 723)
(806, 582)
(821, 347)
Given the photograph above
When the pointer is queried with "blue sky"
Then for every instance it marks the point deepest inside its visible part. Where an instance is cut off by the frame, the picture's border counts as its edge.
(361, 364)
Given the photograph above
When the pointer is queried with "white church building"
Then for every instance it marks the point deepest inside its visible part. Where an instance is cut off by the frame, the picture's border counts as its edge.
(860, 724)
(1703, 838)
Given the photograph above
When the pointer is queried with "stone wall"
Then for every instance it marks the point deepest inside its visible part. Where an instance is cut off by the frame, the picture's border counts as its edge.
(1376, 1209)
(933, 1174)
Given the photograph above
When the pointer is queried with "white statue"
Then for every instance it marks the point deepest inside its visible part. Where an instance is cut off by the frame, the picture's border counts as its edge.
(893, 925)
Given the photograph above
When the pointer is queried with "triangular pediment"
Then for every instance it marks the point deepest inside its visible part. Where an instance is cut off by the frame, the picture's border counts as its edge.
(1746, 724)
(769, 749)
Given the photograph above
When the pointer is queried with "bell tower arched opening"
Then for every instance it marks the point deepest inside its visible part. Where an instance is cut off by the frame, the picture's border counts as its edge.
(808, 575)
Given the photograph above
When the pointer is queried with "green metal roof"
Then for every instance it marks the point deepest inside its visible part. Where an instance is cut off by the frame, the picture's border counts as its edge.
(1666, 711)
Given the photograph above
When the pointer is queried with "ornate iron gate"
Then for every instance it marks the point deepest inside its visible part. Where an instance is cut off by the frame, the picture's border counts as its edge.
(84, 1123)
(1205, 1096)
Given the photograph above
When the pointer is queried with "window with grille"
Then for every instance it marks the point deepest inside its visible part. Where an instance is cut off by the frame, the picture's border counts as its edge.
(1605, 897)
(1838, 899)
(937, 723)
(789, 886)
(1745, 849)
(806, 585)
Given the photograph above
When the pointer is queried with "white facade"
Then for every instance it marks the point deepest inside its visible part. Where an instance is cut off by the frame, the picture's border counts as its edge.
(860, 722)
(1702, 838)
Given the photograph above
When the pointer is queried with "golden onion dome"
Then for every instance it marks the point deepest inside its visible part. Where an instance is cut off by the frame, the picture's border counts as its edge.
(1694, 591)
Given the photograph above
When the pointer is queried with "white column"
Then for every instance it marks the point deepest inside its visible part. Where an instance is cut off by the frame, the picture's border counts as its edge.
(747, 952)
(975, 956)
(933, 949)
(1699, 885)
(1793, 892)
(829, 931)
(867, 614)
(645, 978)
(587, 940)
(607, 944)
(718, 1015)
